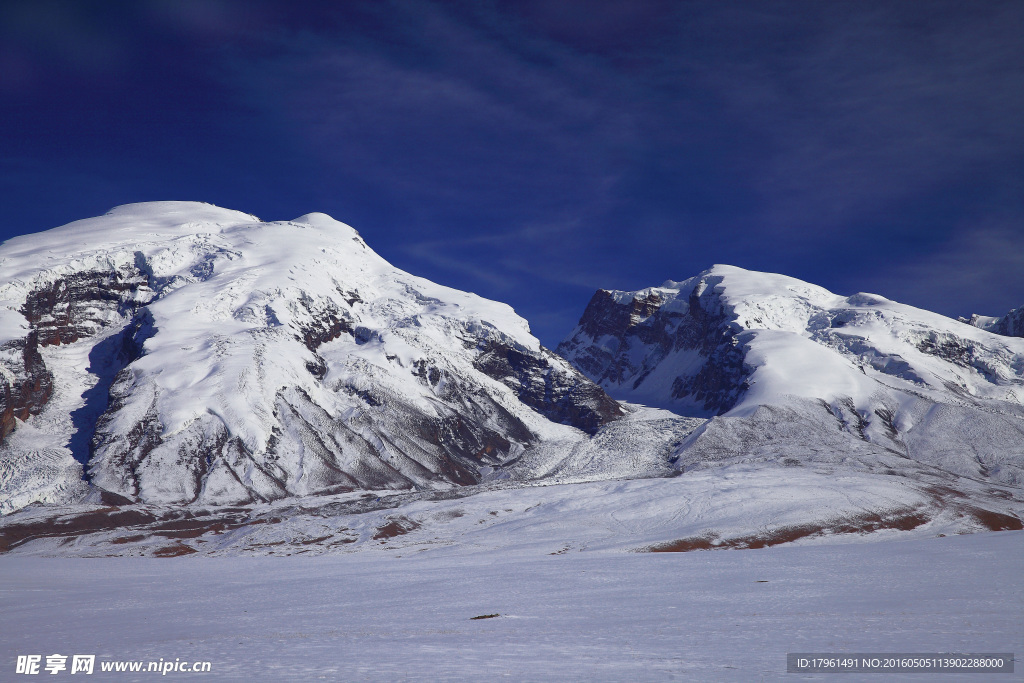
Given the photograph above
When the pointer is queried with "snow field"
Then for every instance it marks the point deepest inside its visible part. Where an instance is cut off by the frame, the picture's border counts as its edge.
(596, 616)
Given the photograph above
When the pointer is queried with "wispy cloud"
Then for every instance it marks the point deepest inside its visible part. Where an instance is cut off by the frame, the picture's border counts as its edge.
(862, 106)
(534, 150)
(528, 148)
(536, 250)
(438, 111)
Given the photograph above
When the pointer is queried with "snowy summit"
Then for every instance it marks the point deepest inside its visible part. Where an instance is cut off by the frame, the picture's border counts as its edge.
(187, 353)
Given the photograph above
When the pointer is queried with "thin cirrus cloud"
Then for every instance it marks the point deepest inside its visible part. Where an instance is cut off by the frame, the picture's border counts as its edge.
(987, 257)
(545, 266)
(663, 139)
(926, 101)
(483, 129)
(534, 151)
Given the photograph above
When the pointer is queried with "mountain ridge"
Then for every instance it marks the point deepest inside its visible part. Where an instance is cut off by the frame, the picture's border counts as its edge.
(1009, 325)
(233, 386)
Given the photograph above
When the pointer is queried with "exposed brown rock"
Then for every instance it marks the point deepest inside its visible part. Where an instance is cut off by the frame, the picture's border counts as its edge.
(66, 310)
(31, 387)
(103, 519)
(75, 306)
(176, 550)
(994, 521)
(904, 520)
(398, 526)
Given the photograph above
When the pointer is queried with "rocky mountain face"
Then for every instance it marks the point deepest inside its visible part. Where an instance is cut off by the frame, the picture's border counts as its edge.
(791, 373)
(176, 352)
(1010, 325)
(27, 384)
(623, 338)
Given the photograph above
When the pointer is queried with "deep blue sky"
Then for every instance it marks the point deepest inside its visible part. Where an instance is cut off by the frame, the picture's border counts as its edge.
(533, 151)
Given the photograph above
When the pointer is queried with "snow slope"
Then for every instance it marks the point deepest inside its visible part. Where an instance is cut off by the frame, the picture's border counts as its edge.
(188, 353)
(730, 506)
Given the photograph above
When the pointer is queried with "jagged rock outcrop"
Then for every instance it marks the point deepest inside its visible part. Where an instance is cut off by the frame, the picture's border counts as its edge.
(626, 340)
(184, 352)
(549, 385)
(61, 311)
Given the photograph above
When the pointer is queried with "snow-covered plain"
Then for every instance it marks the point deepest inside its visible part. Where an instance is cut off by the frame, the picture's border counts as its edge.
(392, 615)
(737, 505)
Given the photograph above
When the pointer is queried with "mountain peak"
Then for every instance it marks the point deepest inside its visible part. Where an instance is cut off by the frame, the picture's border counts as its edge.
(183, 352)
(738, 343)
(1009, 325)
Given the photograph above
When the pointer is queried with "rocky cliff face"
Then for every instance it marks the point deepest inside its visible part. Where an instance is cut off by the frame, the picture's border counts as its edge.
(626, 341)
(183, 352)
(26, 385)
(549, 385)
(62, 311)
(1011, 324)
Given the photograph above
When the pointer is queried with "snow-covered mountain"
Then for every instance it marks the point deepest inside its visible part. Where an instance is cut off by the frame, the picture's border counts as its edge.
(237, 387)
(183, 352)
(790, 372)
(1010, 325)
